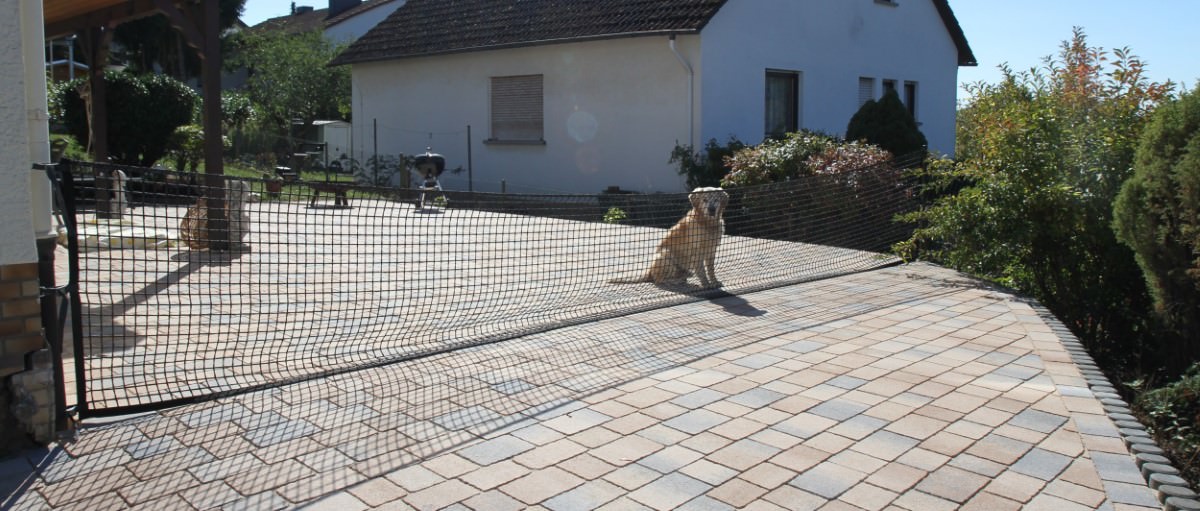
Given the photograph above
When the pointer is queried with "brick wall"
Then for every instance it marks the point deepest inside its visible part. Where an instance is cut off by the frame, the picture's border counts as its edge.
(26, 384)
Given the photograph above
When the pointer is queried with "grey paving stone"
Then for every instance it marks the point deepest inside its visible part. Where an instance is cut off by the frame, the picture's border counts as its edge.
(589, 495)
(827, 480)
(804, 346)
(847, 382)
(1134, 494)
(839, 409)
(1117, 468)
(757, 397)
(670, 459)
(696, 421)
(153, 447)
(757, 361)
(496, 449)
(1042, 464)
(278, 433)
(670, 491)
(699, 398)
(1037, 420)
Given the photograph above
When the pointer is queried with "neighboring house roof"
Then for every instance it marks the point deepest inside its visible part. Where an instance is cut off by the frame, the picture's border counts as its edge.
(316, 19)
(434, 27)
(355, 11)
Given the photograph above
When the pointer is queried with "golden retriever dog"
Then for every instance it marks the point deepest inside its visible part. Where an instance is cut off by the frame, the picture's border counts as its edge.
(690, 247)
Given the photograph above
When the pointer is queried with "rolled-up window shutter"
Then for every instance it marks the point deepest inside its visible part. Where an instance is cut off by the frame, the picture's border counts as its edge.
(517, 107)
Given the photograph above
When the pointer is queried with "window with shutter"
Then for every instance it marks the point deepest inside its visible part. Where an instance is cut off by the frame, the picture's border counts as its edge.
(866, 90)
(517, 109)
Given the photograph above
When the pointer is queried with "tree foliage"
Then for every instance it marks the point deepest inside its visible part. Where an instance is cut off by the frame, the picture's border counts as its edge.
(888, 124)
(707, 167)
(1043, 154)
(290, 78)
(152, 45)
(1158, 215)
(143, 112)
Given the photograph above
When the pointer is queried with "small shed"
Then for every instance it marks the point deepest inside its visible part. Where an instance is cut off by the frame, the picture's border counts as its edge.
(334, 134)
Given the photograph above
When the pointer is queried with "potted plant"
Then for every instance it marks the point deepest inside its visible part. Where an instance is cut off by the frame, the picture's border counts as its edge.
(273, 183)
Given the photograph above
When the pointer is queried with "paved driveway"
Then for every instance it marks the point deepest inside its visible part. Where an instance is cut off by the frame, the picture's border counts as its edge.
(909, 387)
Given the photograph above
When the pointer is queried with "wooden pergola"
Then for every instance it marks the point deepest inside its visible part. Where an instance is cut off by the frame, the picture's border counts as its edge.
(198, 21)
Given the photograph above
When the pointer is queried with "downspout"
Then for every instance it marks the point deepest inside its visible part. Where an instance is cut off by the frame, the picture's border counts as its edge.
(691, 92)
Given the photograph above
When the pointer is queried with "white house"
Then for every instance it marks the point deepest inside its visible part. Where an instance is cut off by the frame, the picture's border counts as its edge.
(579, 96)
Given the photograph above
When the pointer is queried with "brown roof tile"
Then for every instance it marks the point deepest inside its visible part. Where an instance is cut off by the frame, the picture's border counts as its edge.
(434, 27)
(431, 27)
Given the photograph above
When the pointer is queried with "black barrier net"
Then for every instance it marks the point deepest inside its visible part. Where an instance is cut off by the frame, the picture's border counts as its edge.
(189, 292)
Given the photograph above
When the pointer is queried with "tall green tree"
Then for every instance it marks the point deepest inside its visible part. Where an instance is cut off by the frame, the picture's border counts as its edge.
(290, 78)
(1043, 154)
(888, 124)
(1158, 215)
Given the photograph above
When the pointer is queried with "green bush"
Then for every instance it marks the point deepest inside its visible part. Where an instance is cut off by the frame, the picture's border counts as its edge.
(708, 167)
(1174, 413)
(802, 153)
(143, 113)
(1158, 214)
(887, 124)
(1042, 157)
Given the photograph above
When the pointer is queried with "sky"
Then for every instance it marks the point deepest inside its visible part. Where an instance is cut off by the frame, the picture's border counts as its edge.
(1022, 32)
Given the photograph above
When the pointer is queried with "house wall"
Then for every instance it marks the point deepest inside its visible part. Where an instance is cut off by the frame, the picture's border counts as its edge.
(613, 111)
(831, 44)
(353, 28)
(26, 379)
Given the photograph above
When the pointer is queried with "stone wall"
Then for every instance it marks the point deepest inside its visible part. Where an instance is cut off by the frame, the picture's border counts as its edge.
(26, 368)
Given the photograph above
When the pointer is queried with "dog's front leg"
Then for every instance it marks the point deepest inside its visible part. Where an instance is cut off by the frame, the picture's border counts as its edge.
(710, 273)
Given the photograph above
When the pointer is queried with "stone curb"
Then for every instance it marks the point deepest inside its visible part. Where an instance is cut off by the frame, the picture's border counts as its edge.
(1162, 477)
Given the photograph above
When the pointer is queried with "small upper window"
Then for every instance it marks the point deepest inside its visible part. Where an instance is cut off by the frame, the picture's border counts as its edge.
(889, 86)
(866, 90)
(910, 98)
(517, 109)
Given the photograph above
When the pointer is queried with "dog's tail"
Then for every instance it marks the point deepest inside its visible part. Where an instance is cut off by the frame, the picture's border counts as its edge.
(636, 280)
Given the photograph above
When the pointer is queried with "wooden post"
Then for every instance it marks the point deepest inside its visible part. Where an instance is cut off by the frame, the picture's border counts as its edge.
(214, 166)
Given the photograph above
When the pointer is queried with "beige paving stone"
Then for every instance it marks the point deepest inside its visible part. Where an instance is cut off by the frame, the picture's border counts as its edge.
(151, 489)
(1075, 493)
(541, 485)
(377, 492)
(450, 465)
(737, 493)
(896, 477)
(1014, 486)
(768, 475)
(414, 478)
(625, 450)
(441, 495)
(587, 466)
(550, 454)
(985, 501)
(496, 474)
(953, 484)
(868, 497)
(916, 426)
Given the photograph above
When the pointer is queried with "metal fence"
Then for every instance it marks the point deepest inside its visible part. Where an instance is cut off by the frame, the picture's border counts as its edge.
(328, 277)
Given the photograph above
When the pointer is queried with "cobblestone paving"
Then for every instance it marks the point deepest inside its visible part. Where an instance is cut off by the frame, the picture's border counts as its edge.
(909, 387)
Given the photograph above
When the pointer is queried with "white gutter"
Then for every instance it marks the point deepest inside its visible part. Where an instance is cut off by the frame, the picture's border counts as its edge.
(691, 92)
